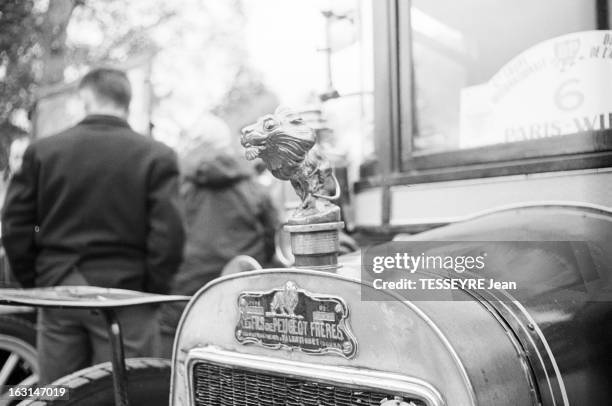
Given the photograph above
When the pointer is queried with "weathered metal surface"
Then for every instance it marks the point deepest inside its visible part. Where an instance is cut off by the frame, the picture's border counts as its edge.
(315, 246)
(550, 348)
(461, 350)
(295, 319)
(565, 329)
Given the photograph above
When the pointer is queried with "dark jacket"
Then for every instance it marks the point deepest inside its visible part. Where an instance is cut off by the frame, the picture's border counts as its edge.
(99, 199)
(227, 214)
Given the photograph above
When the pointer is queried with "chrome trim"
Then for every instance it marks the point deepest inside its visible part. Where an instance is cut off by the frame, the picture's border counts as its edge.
(506, 311)
(547, 348)
(562, 204)
(518, 346)
(354, 377)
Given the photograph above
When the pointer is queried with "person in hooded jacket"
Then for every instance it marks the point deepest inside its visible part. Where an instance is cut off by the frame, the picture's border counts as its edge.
(227, 213)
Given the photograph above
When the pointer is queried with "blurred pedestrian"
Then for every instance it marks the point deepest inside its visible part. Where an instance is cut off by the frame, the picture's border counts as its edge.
(95, 205)
(227, 214)
(16, 150)
(19, 141)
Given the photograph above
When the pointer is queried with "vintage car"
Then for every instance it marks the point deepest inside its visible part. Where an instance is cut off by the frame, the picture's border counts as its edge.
(324, 333)
(302, 336)
(307, 337)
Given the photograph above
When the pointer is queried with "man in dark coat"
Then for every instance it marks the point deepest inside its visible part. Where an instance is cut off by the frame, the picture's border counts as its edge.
(227, 214)
(95, 205)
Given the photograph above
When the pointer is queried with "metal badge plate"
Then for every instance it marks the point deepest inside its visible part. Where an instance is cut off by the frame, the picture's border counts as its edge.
(294, 319)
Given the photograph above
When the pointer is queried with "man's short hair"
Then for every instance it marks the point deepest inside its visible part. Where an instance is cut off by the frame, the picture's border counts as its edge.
(109, 84)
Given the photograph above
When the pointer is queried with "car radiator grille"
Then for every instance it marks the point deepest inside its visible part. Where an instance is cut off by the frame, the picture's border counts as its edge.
(222, 385)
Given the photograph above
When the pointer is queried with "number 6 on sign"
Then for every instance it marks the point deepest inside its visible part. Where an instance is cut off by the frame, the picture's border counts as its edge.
(567, 97)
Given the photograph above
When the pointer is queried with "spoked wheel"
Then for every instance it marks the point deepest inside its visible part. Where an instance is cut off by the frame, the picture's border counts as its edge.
(18, 365)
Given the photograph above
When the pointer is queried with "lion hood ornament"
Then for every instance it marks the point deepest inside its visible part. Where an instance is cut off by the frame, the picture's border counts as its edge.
(288, 148)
